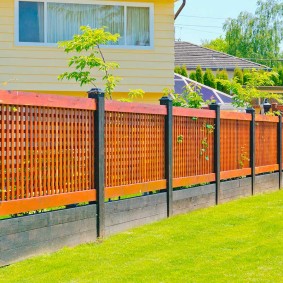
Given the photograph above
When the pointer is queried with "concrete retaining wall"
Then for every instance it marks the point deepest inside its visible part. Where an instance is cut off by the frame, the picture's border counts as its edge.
(32, 235)
(193, 198)
(125, 214)
(266, 183)
(234, 189)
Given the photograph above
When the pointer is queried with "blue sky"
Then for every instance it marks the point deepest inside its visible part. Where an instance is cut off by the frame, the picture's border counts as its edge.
(203, 19)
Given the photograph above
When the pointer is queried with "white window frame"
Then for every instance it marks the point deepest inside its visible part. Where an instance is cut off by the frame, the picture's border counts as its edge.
(124, 4)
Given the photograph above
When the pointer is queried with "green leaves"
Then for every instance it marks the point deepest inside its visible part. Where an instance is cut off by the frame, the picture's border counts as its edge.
(88, 40)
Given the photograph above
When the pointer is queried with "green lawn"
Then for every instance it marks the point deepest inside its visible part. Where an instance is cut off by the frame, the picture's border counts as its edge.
(241, 241)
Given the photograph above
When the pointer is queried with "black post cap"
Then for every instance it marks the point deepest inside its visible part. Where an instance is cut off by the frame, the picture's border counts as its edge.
(214, 106)
(95, 92)
(250, 110)
(266, 105)
(165, 100)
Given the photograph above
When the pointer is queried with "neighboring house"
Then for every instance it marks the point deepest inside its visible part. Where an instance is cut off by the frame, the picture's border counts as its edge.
(31, 61)
(192, 55)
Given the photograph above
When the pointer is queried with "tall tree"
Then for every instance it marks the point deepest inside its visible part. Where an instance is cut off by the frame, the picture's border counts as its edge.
(257, 36)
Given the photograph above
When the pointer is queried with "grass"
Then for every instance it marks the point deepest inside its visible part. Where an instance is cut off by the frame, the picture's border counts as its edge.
(241, 241)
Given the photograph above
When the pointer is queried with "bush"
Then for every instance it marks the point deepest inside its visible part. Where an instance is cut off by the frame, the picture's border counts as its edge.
(222, 75)
(238, 75)
(275, 78)
(246, 76)
(199, 74)
(280, 76)
(209, 78)
(193, 76)
(181, 71)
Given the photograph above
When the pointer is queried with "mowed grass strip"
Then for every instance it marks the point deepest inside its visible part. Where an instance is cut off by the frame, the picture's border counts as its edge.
(241, 241)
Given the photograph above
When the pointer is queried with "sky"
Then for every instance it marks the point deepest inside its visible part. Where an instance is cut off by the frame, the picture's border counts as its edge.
(203, 19)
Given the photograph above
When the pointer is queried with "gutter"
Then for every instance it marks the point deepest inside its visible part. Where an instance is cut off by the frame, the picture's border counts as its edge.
(180, 9)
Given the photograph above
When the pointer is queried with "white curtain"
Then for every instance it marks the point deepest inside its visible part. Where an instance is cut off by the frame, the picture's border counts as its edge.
(64, 20)
(138, 22)
(40, 11)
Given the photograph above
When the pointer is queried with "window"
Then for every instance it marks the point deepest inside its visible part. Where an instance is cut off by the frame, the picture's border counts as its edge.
(47, 22)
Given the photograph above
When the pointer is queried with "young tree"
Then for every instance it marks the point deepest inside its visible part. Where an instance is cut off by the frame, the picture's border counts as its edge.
(90, 58)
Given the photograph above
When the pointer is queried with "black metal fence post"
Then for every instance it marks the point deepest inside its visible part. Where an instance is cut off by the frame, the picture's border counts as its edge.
(168, 152)
(279, 149)
(216, 108)
(252, 146)
(99, 121)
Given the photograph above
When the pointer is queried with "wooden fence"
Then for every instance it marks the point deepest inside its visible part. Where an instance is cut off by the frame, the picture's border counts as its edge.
(50, 152)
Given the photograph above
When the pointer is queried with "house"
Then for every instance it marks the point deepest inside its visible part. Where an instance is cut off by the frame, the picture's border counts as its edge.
(31, 61)
(192, 55)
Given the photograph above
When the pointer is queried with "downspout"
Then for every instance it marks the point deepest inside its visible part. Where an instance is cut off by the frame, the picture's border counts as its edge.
(180, 9)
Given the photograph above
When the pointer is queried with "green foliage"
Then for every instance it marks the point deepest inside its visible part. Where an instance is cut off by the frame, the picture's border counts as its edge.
(177, 70)
(190, 98)
(246, 76)
(193, 76)
(243, 96)
(199, 74)
(91, 58)
(238, 76)
(209, 78)
(257, 36)
(222, 75)
(133, 95)
(218, 44)
(181, 71)
(275, 78)
(280, 76)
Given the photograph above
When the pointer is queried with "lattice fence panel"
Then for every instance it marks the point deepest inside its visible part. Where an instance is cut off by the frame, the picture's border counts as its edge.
(134, 148)
(266, 143)
(234, 145)
(193, 142)
(45, 151)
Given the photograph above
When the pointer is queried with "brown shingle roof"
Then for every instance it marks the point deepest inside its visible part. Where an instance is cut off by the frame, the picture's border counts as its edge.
(193, 55)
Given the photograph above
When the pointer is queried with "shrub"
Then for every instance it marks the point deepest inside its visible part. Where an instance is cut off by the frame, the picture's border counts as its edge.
(222, 75)
(209, 78)
(238, 76)
(181, 71)
(246, 76)
(199, 74)
(280, 76)
(193, 76)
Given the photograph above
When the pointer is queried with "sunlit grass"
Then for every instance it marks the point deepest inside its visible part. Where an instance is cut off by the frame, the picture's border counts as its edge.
(241, 241)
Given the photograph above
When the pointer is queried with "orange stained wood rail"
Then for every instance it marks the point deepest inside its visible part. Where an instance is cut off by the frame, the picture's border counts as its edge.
(47, 149)
(45, 100)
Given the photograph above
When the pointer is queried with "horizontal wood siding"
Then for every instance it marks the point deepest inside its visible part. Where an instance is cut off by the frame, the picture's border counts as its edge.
(36, 68)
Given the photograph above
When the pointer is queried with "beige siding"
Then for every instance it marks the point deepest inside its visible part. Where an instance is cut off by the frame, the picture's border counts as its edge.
(37, 68)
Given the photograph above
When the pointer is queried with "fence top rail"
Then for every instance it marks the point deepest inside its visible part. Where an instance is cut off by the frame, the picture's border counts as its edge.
(191, 112)
(264, 118)
(139, 108)
(45, 100)
(235, 116)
